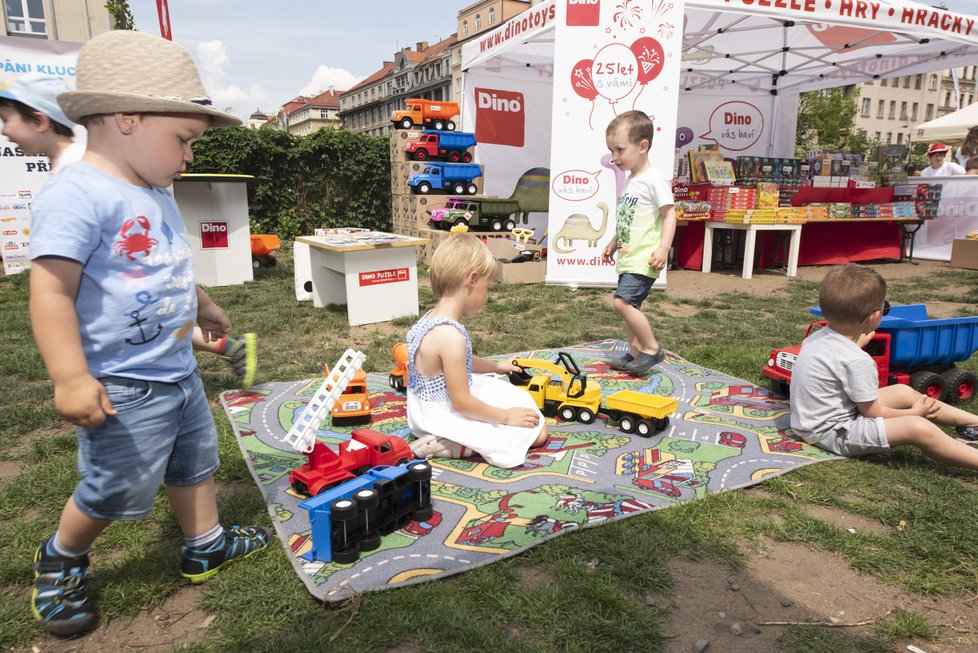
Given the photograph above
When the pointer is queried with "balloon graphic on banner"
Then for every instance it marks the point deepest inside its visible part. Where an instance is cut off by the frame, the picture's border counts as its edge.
(650, 56)
(614, 72)
(583, 85)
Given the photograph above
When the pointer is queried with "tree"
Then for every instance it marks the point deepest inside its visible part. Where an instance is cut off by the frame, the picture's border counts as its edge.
(827, 120)
(121, 16)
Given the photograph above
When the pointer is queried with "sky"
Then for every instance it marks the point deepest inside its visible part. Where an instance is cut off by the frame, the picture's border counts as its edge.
(255, 55)
(258, 55)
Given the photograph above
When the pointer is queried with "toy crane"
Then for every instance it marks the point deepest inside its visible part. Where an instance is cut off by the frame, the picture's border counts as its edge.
(366, 448)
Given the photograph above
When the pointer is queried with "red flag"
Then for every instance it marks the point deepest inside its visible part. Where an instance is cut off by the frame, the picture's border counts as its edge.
(164, 13)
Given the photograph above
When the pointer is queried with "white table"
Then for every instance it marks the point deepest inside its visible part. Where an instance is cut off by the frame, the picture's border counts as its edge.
(374, 273)
(750, 240)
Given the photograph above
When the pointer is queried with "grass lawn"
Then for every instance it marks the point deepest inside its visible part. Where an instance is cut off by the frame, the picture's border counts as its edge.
(260, 605)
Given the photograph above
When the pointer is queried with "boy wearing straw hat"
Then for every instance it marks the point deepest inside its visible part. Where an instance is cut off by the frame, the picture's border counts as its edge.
(113, 303)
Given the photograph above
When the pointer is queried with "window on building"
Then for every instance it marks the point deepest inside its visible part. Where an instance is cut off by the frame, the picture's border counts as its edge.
(929, 114)
(903, 111)
(877, 136)
(970, 99)
(867, 107)
(492, 16)
(913, 111)
(478, 22)
(947, 99)
(892, 110)
(25, 17)
(889, 138)
(932, 84)
(883, 82)
(900, 138)
(906, 82)
(918, 82)
(881, 108)
(465, 28)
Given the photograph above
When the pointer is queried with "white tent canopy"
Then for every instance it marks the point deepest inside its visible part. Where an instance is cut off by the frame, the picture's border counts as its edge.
(780, 45)
(950, 129)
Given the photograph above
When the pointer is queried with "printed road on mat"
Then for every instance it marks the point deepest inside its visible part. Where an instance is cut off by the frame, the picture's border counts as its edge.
(725, 434)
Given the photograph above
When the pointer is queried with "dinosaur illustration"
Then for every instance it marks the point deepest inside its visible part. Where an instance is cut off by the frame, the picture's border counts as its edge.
(532, 193)
(578, 227)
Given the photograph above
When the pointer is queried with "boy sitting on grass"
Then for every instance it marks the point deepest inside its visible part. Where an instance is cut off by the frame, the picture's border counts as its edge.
(836, 401)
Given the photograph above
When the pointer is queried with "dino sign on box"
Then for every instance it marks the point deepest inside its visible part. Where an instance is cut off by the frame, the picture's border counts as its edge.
(576, 185)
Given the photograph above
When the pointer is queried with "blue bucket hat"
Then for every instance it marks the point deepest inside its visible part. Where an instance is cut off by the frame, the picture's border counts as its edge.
(40, 92)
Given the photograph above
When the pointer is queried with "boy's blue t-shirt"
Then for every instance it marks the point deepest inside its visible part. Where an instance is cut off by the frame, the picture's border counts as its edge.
(137, 300)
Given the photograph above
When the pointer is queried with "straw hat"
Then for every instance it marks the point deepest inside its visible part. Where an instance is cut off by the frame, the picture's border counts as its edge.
(133, 72)
(937, 148)
(40, 93)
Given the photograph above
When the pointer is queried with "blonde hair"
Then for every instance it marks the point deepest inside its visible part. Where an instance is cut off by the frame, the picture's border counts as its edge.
(455, 258)
(850, 292)
(636, 124)
(970, 145)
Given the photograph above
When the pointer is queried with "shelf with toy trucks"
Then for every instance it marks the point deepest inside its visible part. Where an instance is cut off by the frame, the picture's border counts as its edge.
(455, 178)
(353, 517)
(909, 348)
(573, 397)
(442, 145)
(430, 114)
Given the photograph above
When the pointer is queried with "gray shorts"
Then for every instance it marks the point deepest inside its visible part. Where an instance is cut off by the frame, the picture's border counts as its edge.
(859, 437)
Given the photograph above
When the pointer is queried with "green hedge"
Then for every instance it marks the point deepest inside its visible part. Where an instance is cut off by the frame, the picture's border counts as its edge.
(331, 178)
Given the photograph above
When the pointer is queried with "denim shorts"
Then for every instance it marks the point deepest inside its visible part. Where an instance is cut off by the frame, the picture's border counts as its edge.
(163, 432)
(634, 288)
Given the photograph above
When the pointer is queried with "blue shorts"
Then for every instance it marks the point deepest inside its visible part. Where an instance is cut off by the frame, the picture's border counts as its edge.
(634, 288)
(163, 432)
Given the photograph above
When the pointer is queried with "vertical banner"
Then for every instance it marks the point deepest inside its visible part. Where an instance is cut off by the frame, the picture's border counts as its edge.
(22, 176)
(610, 56)
(163, 11)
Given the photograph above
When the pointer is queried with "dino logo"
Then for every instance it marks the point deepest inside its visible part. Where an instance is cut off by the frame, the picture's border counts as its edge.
(499, 117)
(578, 227)
(214, 234)
(584, 13)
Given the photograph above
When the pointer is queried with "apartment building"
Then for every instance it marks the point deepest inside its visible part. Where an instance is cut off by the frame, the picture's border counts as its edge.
(477, 19)
(56, 20)
(890, 108)
(423, 72)
(303, 115)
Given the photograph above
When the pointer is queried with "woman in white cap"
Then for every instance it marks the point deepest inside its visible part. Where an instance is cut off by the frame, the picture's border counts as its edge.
(939, 166)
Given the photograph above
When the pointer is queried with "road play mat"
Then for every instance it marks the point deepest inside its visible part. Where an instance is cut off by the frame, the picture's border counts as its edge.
(725, 434)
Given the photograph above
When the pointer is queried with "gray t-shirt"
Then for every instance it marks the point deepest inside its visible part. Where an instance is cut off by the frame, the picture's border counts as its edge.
(832, 374)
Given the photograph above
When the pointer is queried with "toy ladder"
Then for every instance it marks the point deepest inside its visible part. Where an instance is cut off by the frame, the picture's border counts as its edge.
(302, 435)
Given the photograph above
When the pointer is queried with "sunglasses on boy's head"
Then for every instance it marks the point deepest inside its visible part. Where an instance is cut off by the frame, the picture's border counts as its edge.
(885, 309)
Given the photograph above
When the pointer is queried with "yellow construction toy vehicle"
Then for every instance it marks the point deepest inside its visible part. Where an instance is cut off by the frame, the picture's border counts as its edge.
(570, 395)
(573, 397)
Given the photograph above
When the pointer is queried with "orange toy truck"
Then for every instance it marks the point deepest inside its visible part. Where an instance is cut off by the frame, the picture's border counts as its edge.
(427, 113)
(353, 406)
(398, 377)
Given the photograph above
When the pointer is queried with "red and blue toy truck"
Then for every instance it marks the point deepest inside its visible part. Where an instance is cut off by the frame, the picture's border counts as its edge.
(444, 145)
(366, 448)
(352, 517)
(908, 348)
(454, 178)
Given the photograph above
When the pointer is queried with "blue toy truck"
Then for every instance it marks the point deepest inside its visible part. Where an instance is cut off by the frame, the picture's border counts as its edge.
(908, 348)
(352, 517)
(453, 178)
(444, 145)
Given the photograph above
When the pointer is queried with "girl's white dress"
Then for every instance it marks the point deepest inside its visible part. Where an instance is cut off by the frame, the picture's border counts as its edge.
(429, 408)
